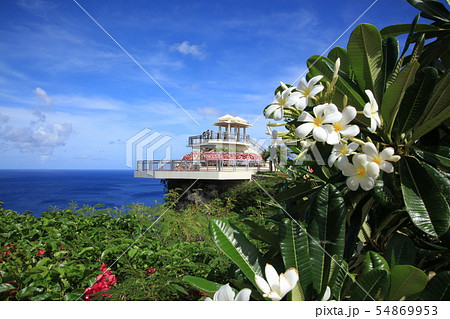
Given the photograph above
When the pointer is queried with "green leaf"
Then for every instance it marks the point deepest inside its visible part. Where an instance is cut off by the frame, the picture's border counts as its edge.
(28, 292)
(390, 55)
(438, 288)
(400, 250)
(372, 285)
(327, 228)
(431, 124)
(298, 191)
(406, 280)
(338, 278)
(341, 53)
(374, 261)
(6, 287)
(132, 252)
(233, 243)
(437, 155)
(398, 29)
(262, 234)
(393, 96)
(366, 56)
(416, 99)
(85, 250)
(432, 9)
(206, 286)
(437, 109)
(294, 245)
(60, 253)
(425, 193)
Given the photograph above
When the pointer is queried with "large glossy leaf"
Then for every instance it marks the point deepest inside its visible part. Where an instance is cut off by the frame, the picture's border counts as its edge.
(398, 29)
(366, 56)
(432, 9)
(393, 96)
(438, 288)
(431, 124)
(425, 193)
(416, 98)
(406, 280)
(326, 225)
(437, 109)
(390, 55)
(206, 286)
(233, 243)
(374, 281)
(341, 53)
(374, 261)
(294, 245)
(373, 285)
(400, 250)
(437, 155)
(339, 278)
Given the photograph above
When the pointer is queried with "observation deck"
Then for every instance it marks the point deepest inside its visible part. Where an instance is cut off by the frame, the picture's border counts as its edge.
(228, 153)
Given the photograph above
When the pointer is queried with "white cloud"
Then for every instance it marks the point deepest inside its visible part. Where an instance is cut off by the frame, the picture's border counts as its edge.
(39, 138)
(43, 95)
(207, 110)
(192, 49)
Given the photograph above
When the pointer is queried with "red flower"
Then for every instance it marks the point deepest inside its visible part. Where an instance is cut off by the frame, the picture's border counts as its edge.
(40, 252)
(150, 271)
(103, 282)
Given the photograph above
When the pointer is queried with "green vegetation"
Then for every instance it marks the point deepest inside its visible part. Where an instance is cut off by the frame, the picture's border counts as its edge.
(148, 249)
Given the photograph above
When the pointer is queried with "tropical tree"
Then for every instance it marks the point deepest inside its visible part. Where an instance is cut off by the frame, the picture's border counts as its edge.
(371, 220)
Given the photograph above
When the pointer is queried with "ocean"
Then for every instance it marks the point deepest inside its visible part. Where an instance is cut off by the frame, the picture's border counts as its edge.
(40, 190)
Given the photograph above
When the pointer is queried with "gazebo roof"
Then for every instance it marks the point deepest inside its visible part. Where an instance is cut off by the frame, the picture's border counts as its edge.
(232, 121)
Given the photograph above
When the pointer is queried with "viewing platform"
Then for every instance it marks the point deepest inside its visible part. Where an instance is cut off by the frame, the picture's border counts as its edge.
(227, 153)
(219, 169)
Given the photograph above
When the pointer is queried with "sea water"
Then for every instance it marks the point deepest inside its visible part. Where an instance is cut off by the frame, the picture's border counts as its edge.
(37, 191)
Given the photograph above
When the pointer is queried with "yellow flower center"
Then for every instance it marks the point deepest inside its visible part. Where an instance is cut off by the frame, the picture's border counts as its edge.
(318, 121)
(344, 150)
(361, 171)
(337, 127)
(306, 92)
(377, 160)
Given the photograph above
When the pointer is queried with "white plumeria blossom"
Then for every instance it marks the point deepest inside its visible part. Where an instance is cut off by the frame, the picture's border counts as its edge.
(281, 100)
(371, 111)
(324, 114)
(327, 294)
(381, 158)
(277, 286)
(225, 293)
(342, 126)
(339, 153)
(308, 90)
(361, 173)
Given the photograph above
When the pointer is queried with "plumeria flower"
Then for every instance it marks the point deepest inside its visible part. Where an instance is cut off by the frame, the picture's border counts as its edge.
(225, 293)
(327, 294)
(308, 90)
(339, 153)
(276, 287)
(342, 126)
(371, 111)
(361, 173)
(382, 158)
(280, 101)
(324, 114)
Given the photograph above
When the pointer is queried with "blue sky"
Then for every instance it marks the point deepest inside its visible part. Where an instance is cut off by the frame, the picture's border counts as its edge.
(70, 97)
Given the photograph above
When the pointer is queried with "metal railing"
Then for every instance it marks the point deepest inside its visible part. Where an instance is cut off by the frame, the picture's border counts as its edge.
(218, 136)
(230, 165)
